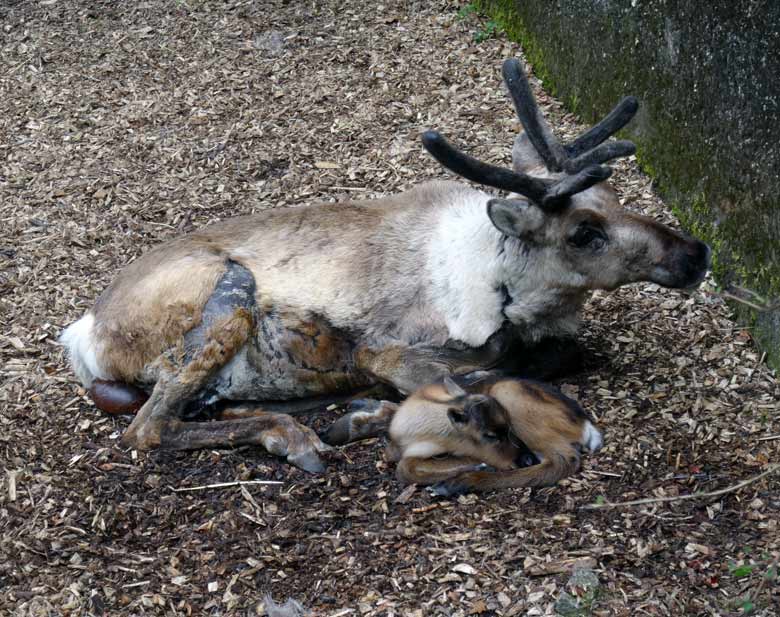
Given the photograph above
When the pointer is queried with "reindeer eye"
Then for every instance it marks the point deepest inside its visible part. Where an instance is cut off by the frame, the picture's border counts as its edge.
(490, 436)
(587, 235)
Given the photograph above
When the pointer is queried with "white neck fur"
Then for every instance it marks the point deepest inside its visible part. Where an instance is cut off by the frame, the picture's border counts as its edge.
(469, 262)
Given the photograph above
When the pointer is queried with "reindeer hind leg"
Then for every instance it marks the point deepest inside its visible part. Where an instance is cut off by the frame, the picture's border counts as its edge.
(278, 433)
(229, 318)
(187, 384)
(234, 290)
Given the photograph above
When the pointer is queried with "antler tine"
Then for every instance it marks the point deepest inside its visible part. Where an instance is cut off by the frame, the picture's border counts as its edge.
(539, 132)
(581, 161)
(483, 173)
(611, 124)
(558, 194)
(600, 154)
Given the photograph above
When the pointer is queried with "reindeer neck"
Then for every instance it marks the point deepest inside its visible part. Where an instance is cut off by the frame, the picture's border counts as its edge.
(480, 278)
(464, 262)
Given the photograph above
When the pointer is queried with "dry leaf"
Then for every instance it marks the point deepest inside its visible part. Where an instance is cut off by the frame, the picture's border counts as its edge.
(464, 568)
(406, 494)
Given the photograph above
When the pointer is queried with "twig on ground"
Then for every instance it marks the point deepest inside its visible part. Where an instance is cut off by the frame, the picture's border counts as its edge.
(224, 485)
(729, 489)
(605, 473)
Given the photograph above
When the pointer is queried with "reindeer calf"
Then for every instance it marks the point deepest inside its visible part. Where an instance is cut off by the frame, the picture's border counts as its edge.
(506, 424)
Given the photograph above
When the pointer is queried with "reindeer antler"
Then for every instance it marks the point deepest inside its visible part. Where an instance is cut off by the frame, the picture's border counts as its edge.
(586, 149)
(483, 173)
(581, 160)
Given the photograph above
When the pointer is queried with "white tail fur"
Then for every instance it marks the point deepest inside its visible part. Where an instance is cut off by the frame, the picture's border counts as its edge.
(592, 438)
(79, 340)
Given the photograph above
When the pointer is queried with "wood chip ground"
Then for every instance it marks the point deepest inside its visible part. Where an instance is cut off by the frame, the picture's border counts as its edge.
(123, 124)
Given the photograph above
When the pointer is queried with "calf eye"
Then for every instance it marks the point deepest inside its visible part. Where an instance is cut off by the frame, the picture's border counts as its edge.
(589, 236)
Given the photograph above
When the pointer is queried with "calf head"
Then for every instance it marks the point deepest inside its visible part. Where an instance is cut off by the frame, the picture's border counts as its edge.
(565, 213)
(486, 423)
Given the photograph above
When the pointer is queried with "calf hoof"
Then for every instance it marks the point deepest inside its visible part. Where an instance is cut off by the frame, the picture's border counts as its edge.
(448, 488)
(365, 418)
(526, 460)
(308, 461)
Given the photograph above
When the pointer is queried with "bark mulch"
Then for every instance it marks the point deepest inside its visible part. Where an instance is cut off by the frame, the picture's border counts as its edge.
(123, 124)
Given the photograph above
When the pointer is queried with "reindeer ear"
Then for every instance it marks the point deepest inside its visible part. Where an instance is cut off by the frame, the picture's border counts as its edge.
(524, 156)
(453, 389)
(515, 217)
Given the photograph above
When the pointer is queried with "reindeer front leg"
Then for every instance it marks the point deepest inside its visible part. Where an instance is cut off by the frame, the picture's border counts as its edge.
(409, 368)
(404, 368)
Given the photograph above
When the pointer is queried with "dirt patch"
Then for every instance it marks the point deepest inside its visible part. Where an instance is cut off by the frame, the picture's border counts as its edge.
(124, 124)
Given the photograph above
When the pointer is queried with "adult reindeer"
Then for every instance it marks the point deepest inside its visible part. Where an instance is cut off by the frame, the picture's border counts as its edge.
(326, 299)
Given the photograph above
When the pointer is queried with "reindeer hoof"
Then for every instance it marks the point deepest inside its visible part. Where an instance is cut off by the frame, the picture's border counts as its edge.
(340, 432)
(308, 461)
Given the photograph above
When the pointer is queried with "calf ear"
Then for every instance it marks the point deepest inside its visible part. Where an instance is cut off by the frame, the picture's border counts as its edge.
(457, 416)
(515, 217)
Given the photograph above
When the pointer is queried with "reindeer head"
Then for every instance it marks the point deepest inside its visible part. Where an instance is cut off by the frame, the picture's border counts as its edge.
(567, 212)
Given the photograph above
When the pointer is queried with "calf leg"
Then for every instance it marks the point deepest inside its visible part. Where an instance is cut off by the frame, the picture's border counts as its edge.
(365, 418)
(547, 473)
(415, 470)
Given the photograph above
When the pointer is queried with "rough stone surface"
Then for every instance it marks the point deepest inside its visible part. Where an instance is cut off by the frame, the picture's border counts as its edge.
(707, 130)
